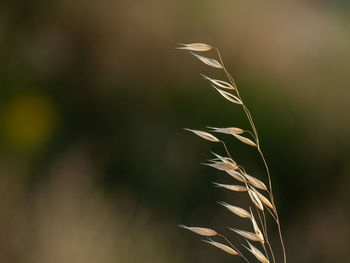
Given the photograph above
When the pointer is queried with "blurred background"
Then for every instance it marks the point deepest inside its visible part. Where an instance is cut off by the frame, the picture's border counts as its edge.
(94, 164)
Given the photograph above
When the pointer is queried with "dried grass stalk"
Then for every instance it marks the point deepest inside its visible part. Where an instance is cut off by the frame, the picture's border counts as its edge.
(237, 172)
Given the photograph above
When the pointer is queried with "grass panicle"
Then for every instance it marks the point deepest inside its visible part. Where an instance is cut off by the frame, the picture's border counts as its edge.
(261, 201)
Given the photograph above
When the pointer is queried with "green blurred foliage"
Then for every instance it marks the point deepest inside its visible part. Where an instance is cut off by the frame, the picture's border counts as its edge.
(93, 99)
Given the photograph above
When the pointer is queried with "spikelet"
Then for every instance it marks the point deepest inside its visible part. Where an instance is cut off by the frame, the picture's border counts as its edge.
(255, 199)
(224, 159)
(219, 83)
(263, 199)
(247, 235)
(208, 61)
(257, 253)
(236, 188)
(201, 230)
(204, 135)
(236, 210)
(224, 163)
(195, 47)
(255, 182)
(223, 247)
(223, 166)
(237, 175)
(245, 140)
(229, 130)
(228, 96)
(219, 165)
(255, 226)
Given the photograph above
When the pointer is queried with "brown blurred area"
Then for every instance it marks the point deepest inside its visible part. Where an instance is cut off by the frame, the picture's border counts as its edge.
(94, 164)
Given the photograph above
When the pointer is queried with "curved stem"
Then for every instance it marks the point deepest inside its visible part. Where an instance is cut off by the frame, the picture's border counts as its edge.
(273, 216)
(252, 134)
(228, 75)
(228, 153)
(274, 206)
(250, 119)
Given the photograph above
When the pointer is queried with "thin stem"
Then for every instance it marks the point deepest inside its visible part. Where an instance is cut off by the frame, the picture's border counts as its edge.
(273, 216)
(273, 255)
(249, 116)
(250, 119)
(252, 134)
(262, 224)
(228, 75)
(269, 178)
(267, 239)
(239, 252)
(228, 153)
(264, 232)
(274, 206)
(264, 247)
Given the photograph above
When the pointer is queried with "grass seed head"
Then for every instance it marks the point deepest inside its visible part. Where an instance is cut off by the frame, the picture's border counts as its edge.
(195, 47)
(201, 230)
(204, 135)
(236, 210)
(223, 247)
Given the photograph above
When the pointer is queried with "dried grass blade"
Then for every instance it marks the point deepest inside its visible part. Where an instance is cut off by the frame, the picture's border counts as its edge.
(245, 140)
(204, 135)
(208, 61)
(236, 188)
(223, 247)
(228, 96)
(255, 182)
(201, 230)
(257, 253)
(247, 235)
(219, 83)
(236, 210)
(195, 47)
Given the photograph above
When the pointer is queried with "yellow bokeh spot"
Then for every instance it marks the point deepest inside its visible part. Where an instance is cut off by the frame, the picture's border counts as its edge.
(29, 120)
